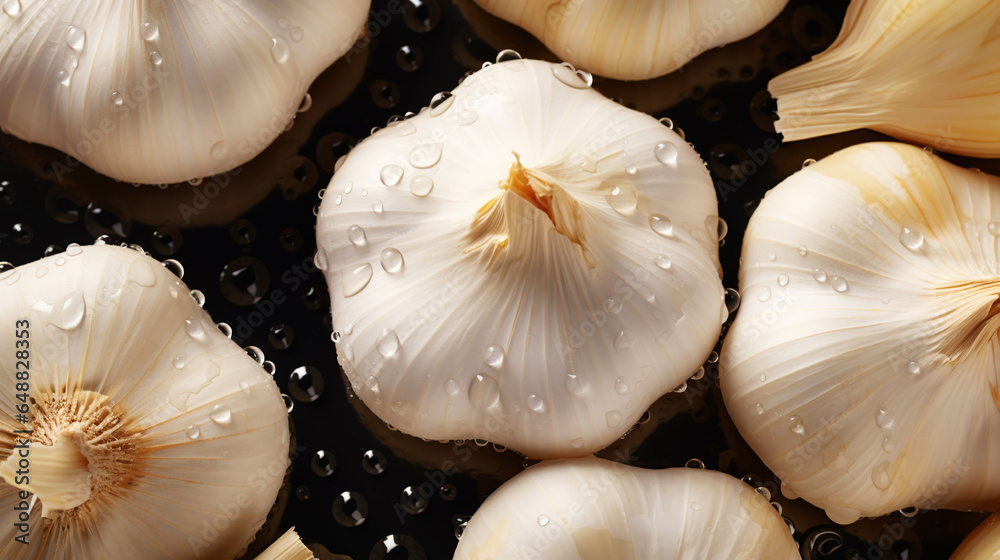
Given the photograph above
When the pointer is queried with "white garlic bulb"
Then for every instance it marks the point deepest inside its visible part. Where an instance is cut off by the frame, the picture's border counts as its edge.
(164, 92)
(591, 508)
(635, 39)
(927, 72)
(981, 544)
(154, 436)
(525, 262)
(862, 365)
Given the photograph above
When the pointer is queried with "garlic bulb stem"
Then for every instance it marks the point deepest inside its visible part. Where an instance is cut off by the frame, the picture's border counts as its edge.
(57, 474)
(287, 547)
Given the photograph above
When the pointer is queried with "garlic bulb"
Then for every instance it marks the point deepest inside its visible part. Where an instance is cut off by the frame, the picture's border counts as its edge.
(927, 72)
(168, 91)
(524, 262)
(637, 39)
(288, 547)
(862, 365)
(153, 435)
(981, 544)
(591, 508)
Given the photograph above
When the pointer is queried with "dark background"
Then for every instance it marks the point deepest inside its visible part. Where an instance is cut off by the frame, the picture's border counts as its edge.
(251, 248)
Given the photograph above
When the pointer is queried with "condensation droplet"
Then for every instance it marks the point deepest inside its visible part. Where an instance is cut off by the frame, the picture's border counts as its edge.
(623, 199)
(994, 228)
(621, 386)
(149, 30)
(567, 74)
(221, 415)
(421, 185)
(484, 391)
(279, 50)
(665, 153)
(441, 102)
(178, 363)
(219, 150)
(76, 38)
(888, 445)
(764, 293)
(911, 238)
(192, 432)
(67, 314)
(803, 250)
(391, 175)
(819, 275)
(614, 418)
(536, 403)
(355, 280)
(625, 339)
(782, 279)
(493, 356)
(631, 169)
(885, 418)
(577, 384)
(425, 155)
(661, 225)
(838, 283)
(760, 408)
(378, 207)
(881, 476)
(662, 262)
(795, 425)
(356, 235)
(387, 343)
(155, 58)
(913, 367)
(391, 260)
(543, 520)
(452, 387)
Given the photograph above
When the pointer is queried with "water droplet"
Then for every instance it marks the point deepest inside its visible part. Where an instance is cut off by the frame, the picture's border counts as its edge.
(623, 199)
(356, 235)
(68, 313)
(613, 306)
(913, 367)
(391, 175)
(507, 55)
(355, 280)
(807, 162)
(694, 464)
(73, 249)
(795, 424)
(885, 418)
(192, 432)
(621, 386)
(323, 463)
(221, 415)
(911, 238)
(888, 445)
(421, 185)
(631, 169)
(661, 225)
(64, 77)
(624, 340)
(493, 356)
(666, 153)
(467, 117)
(994, 228)
(297, 34)
(149, 30)
(717, 227)
(194, 329)
(378, 207)
(838, 283)
(881, 476)
(762, 377)
(219, 150)
(320, 259)
(577, 384)
(426, 154)
(12, 7)
(572, 77)
(279, 50)
(543, 520)
(885, 300)
(441, 102)
(772, 257)
(782, 279)
(760, 408)
(306, 384)
(350, 509)
(536, 404)
(576, 443)
(614, 418)
(484, 391)
(732, 300)
(41, 271)
(452, 387)
(76, 38)
(155, 58)
(696, 506)
(911, 511)
(819, 275)
(662, 261)
(764, 293)
(803, 250)
(413, 501)
(178, 363)
(391, 260)
(387, 343)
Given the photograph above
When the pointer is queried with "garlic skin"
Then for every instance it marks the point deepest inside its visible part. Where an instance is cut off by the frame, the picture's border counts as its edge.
(862, 364)
(635, 39)
(981, 544)
(927, 72)
(591, 508)
(496, 271)
(287, 547)
(183, 437)
(164, 92)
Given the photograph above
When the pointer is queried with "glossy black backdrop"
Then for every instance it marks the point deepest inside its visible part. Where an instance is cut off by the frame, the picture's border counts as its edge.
(725, 112)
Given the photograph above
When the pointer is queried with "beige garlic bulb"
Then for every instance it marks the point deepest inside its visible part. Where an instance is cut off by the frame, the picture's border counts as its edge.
(635, 39)
(287, 547)
(579, 509)
(153, 435)
(862, 367)
(927, 72)
(524, 261)
(164, 92)
(981, 544)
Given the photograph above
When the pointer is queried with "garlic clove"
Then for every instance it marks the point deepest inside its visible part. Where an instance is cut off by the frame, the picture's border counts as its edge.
(592, 508)
(166, 92)
(981, 544)
(639, 40)
(545, 265)
(184, 438)
(860, 367)
(923, 72)
(287, 547)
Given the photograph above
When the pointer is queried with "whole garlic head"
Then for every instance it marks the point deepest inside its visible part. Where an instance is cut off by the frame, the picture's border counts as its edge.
(576, 509)
(862, 367)
(635, 39)
(525, 262)
(164, 92)
(153, 435)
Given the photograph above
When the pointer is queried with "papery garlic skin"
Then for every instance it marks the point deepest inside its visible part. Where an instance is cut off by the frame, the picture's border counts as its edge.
(464, 310)
(168, 91)
(927, 72)
(635, 39)
(591, 508)
(862, 365)
(186, 436)
(983, 543)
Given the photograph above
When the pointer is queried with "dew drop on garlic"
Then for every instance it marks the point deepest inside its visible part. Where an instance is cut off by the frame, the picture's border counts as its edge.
(884, 418)
(192, 432)
(387, 343)
(911, 238)
(493, 356)
(782, 279)
(994, 228)
(484, 391)
(76, 38)
(577, 384)
(221, 415)
(279, 50)
(567, 74)
(881, 476)
(624, 340)
(819, 275)
(666, 153)
(68, 313)
(621, 386)
(355, 280)
(623, 199)
(219, 150)
(149, 30)
(391, 175)
(662, 262)
(421, 185)
(661, 225)
(795, 425)
(378, 207)
(452, 387)
(426, 154)
(441, 102)
(356, 235)
(155, 58)
(536, 403)
(12, 7)
(391, 260)
(838, 284)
